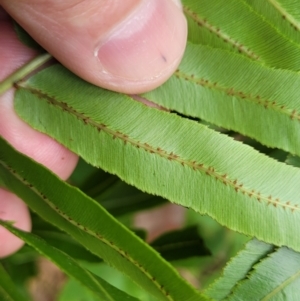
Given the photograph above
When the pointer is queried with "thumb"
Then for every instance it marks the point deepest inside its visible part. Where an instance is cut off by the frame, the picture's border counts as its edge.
(128, 46)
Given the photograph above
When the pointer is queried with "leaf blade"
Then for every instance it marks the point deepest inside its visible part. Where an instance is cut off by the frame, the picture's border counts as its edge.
(237, 94)
(181, 244)
(238, 268)
(208, 159)
(8, 290)
(284, 15)
(272, 278)
(86, 221)
(102, 290)
(245, 32)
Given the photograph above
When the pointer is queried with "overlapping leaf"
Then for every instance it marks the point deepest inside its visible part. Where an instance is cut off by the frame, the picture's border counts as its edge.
(283, 15)
(238, 268)
(233, 92)
(8, 290)
(259, 272)
(26, 39)
(180, 244)
(164, 154)
(293, 160)
(276, 277)
(185, 162)
(66, 244)
(86, 221)
(117, 197)
(233, 25)
(103, 291)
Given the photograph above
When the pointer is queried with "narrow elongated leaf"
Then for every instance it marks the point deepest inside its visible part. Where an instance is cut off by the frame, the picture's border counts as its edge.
(73, 291)
(293, 160)
(238, 268)
(8, 290)
(284, 15)
(236, 93)
(181, 244)
(277, 277)
(245, 31)
(86, 221)
(98, 182)
(102, 290)
(21, 266)
(167, 155)
(66, 244)
(123, 203)
(4, 296)
(82, 173)
(26, 39)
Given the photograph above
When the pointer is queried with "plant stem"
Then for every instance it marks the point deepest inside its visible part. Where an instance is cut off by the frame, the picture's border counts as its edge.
(25, 70)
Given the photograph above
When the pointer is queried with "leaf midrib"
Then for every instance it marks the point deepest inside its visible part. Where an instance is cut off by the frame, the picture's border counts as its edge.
(285, 15)
(219, 33)
(266, 103)
(283, 285)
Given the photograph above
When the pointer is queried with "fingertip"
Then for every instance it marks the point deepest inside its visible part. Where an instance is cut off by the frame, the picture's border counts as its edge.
(145, 51)
(12, 209)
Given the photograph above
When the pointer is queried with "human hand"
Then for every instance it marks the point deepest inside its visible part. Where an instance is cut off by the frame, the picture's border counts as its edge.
(128, 46)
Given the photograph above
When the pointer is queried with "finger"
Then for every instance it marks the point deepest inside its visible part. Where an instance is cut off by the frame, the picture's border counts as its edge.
(32, 143)
(12, 209)
(40, 147)
(129, 46)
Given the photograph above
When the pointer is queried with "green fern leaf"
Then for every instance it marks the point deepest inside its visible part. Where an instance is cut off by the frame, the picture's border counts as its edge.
(103, 291)
(235, 93)
(245, 31)
(284, 15)
(86, 221)
(8, 289)
(238, 268)
(166, 155)
(276, 277)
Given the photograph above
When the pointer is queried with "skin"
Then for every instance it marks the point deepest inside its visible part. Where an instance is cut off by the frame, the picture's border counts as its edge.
(129, 46)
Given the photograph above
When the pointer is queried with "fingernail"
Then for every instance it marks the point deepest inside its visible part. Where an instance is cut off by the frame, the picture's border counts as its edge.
(146, 46)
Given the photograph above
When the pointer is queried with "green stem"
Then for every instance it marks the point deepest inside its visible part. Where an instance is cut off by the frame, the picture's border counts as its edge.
(25, 70)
